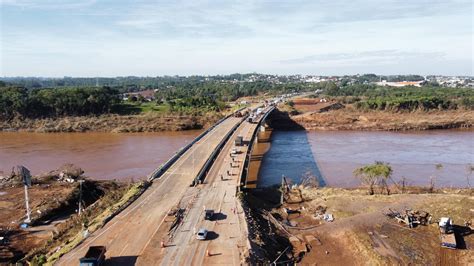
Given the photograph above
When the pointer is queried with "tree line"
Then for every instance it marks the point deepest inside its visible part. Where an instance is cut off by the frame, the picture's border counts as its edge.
(39, 103)
(372, 97)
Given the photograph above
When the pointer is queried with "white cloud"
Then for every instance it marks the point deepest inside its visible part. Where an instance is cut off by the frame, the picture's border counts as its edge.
(49, 4)
(192, 37)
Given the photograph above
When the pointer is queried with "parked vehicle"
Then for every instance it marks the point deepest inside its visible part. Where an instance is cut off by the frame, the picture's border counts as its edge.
(95, 256)
(448, 238)
(202, 234)
(239, 141)
(208, 214)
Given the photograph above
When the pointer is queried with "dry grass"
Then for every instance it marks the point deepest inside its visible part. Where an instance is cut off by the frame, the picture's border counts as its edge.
(352, 119)
(97, 222)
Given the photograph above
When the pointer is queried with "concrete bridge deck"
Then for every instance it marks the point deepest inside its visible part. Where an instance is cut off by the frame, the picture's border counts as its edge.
(128, 234)
(136, 235)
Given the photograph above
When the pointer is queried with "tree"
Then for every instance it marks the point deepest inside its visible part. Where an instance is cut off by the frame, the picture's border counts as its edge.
(374, 174)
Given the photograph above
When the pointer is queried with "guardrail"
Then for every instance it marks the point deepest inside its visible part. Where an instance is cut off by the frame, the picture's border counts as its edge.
(202, 173)
(165, 166)
(243, 176)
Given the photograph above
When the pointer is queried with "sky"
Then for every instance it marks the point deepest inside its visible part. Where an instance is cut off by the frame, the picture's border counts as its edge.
(89, 38)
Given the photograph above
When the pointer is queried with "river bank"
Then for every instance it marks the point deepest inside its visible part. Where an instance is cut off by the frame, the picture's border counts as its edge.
(350, 119)
(148, 122)
(310, 114)
(55, 222)
(360, 233)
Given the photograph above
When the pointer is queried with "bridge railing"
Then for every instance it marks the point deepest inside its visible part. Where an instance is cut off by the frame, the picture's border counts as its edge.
(157, 173)
(203, 172)
(243, 176)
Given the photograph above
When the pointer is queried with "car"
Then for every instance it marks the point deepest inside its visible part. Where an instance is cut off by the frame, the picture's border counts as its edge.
(234, 151)
(208, 214)
(201, 234)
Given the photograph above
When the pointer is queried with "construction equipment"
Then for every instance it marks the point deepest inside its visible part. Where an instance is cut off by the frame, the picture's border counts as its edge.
(239, 141)
(448, 238)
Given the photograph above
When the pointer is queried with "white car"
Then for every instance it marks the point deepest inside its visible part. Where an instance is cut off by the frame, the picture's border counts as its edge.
(201, 234)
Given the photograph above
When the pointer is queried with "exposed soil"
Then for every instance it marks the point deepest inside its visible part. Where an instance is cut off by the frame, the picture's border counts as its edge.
(362, 234)
(311, 114)
(54, 207)
(113, 123)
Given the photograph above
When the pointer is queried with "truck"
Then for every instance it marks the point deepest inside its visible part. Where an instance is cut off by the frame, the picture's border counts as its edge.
(95, 256)
(239, 141)
(448, 238)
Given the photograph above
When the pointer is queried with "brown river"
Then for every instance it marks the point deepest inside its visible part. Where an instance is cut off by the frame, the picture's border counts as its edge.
(100, 155)
(330, 155)
(333, 155)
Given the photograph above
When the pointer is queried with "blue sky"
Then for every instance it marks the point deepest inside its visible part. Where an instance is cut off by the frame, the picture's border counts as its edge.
(57, 38)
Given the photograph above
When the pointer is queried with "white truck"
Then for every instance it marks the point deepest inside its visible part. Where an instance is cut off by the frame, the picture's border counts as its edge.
(448, 238)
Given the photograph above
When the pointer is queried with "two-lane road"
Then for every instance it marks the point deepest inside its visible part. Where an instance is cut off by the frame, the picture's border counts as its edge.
(227, 242)
(130, 233)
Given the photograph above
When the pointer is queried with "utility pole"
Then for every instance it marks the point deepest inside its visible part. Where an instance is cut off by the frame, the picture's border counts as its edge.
(80, 197)
(28, 211)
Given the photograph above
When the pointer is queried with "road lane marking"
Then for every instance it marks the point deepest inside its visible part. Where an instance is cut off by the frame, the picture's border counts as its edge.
(181, 161)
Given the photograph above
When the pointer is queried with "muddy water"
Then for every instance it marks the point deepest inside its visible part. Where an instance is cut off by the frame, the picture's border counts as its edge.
(333, 155)
(101, 155)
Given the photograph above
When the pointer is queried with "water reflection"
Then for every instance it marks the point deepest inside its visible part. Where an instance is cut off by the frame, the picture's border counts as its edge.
(290, 155)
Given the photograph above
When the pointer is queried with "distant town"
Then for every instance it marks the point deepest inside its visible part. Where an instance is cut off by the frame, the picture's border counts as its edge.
(167, 81)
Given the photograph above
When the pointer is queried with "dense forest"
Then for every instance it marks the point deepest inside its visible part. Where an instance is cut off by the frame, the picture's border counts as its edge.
(21, 102)
(203, 94)
(372, 97)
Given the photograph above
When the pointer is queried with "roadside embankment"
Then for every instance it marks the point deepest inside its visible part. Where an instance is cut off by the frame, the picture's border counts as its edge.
(113, 123)
(56, 225)
(328, 226)
(349, 118)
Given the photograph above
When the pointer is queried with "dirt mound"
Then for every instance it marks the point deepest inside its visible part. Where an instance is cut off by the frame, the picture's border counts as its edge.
(67, 172)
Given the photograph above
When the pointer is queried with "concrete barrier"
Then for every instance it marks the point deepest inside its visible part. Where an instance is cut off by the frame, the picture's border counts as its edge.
(244, 174)
(202, 173)
(165, 166)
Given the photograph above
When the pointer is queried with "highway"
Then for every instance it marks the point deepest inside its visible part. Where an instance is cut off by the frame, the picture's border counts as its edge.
(128, 235)
(227, 241)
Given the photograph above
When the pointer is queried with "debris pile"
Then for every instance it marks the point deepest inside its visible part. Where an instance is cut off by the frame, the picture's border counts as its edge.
(66, 173)
(320, 214)
(410, 217)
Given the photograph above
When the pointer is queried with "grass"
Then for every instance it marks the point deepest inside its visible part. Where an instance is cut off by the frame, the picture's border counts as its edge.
(153, 107)
(135, 108)
(95, 224)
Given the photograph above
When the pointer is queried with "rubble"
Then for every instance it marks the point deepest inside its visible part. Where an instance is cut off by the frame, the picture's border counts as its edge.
(410, 218)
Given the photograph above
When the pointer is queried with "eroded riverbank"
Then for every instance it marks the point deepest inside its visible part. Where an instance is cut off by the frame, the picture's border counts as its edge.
(112, 123)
